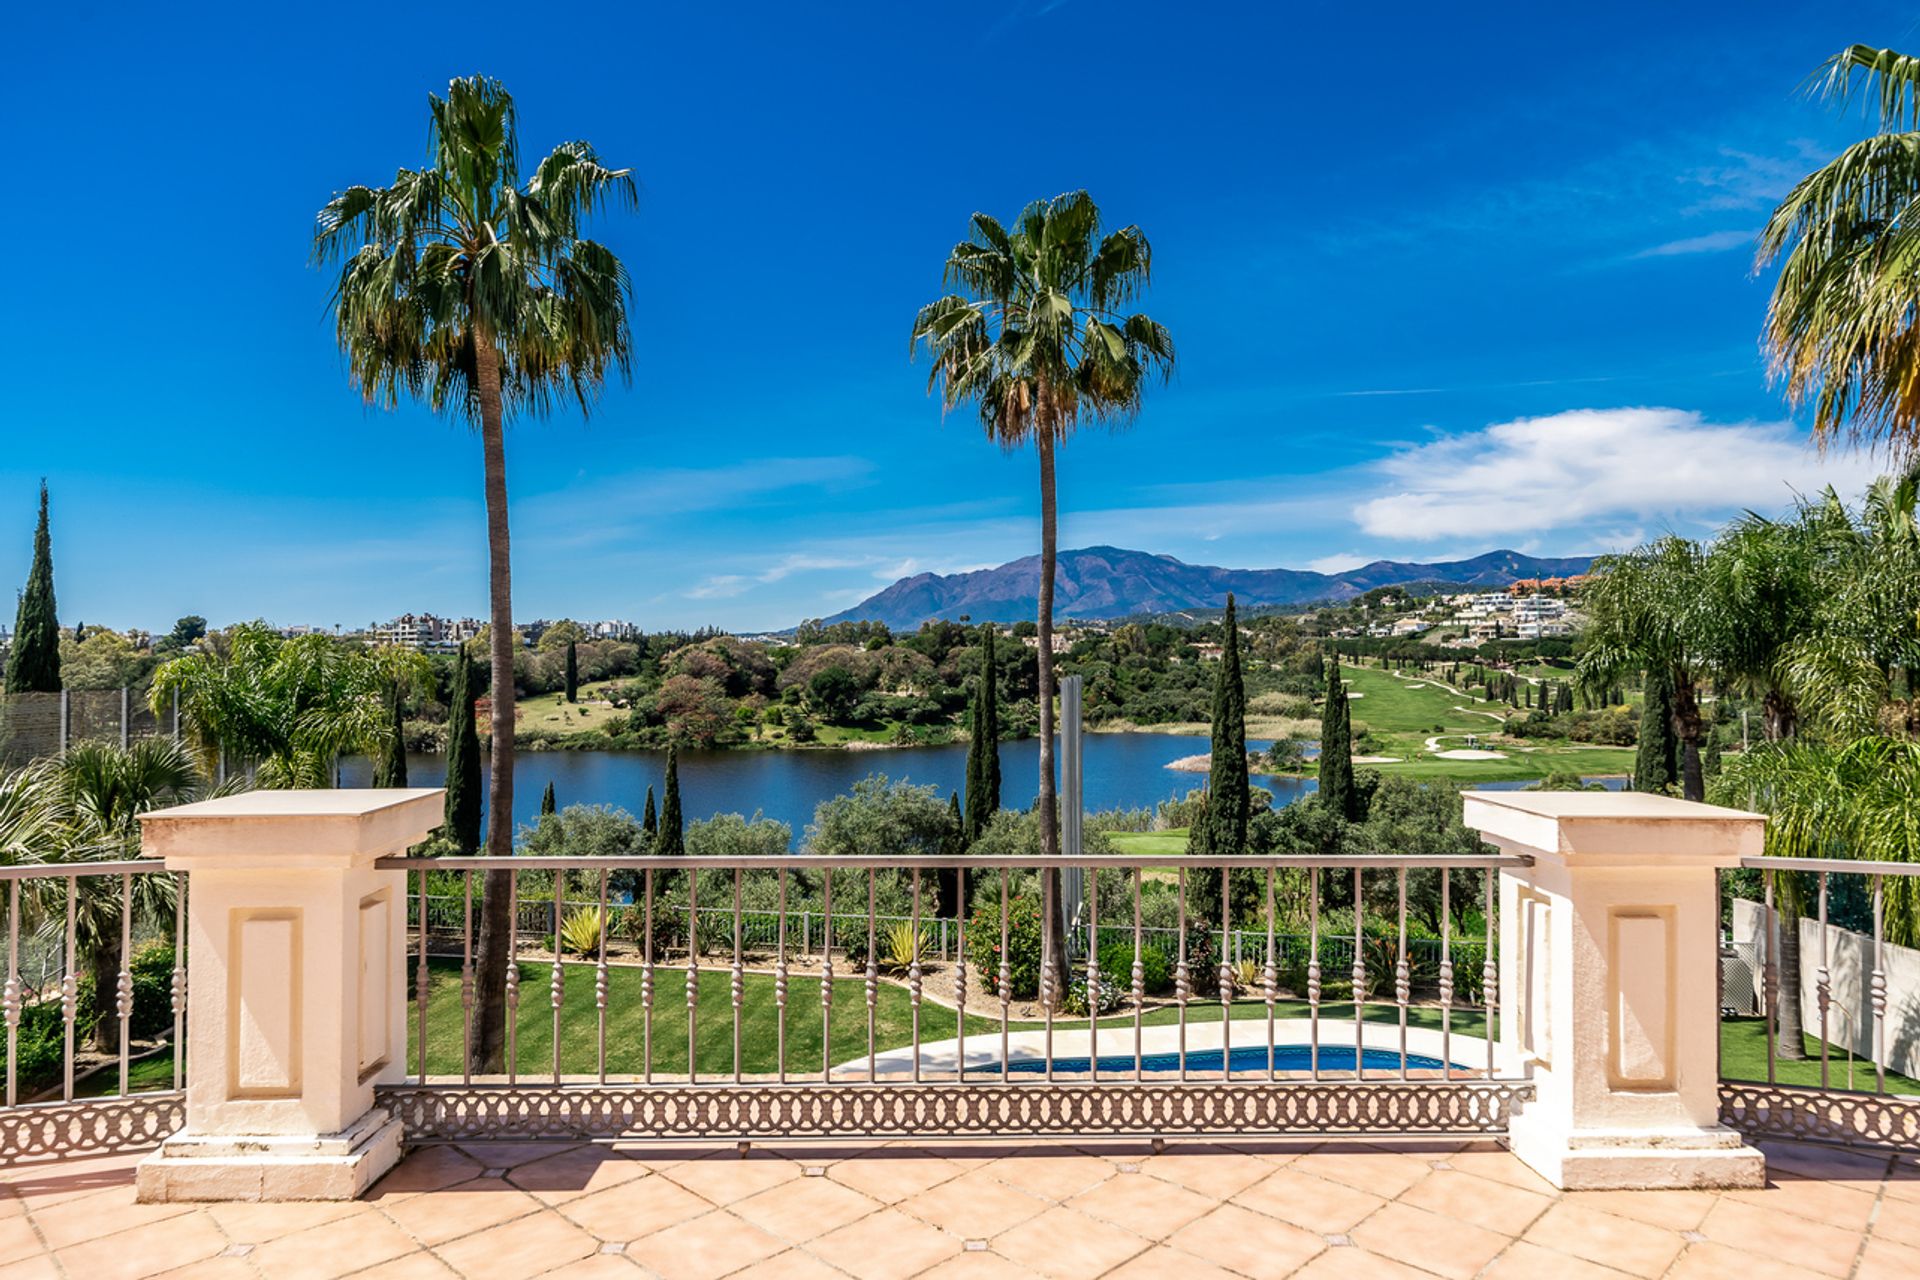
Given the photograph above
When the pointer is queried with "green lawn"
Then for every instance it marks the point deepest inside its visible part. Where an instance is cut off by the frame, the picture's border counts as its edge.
(1149, 843)
(1743, 1056)
(552, 713)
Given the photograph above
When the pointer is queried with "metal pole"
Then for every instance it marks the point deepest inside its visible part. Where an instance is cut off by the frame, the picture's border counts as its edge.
(125, 708)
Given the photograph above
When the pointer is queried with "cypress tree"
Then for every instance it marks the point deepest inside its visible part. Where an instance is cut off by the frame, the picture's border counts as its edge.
(1336, 748)
(947, 880)
(671, 840)
(1656, 764)
(546, 801)
(573, 672)
(463, 762)
(390, 770)
(1222, 828)
(650, 822)
(33, 663)
(983, 751)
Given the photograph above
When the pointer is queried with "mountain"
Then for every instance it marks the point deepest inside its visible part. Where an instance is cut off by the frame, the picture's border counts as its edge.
(1108, 582)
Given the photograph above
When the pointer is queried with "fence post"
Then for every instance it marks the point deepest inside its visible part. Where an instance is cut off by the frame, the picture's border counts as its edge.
(297, 990)
(125, 728)
(1608, 944)
(805, 920)
(66, 720)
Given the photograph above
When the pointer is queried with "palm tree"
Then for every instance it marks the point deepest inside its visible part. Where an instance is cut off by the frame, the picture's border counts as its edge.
(99, 792)
(1038, 341)
(1647, 610)
(462, 285)
(1841, 325)
(291, 708)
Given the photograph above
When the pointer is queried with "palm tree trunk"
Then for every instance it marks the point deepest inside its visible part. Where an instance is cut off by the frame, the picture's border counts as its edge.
(104, 960)
(496, 908)
(1790, 1041)
(1052, 908)
(1687, 727)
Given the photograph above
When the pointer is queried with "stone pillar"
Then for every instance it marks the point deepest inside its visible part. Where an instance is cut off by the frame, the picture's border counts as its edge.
(296, 990)
(1609, 993)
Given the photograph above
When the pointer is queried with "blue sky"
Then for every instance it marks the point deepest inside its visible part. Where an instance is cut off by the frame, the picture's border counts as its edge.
(1442, 279)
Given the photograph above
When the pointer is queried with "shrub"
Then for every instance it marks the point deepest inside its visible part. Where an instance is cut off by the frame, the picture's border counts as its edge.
(580, 932)
(1116, 958)
(898, 945)
(1023, 944)
(1109, 995)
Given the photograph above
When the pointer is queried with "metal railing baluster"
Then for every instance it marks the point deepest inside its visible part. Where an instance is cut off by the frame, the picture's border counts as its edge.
(1823, 986)
(1226, 973)
(1313, 973)
(557, 973)
(466, 978)
(960, 974)
(123, 993)
(420, 987)
(1093, 971)
(1446, 974)
(1139, 977)
(1359, 976)
(693, 976)
(737, 986)
(70, 1000)
(10, 994)
(1402, 975)
(873, 980)
(600, 988)
(1005, 977)
(1182, 977)
(826, 975)
(780, 983)
(1270, 981)
(1489, 974)
(913, 974)
(646, 979)
(513, 977)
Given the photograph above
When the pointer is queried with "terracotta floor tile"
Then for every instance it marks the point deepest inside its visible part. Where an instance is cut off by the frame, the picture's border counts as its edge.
(1314, 1203)
(1501, 1166)
(515, 1250)
(414, 1266)
(1606, 1238)
(1480, 1201)
(1832, 1203)
(1144, 1205)
(1213, 1172)
(259, 1223)
(579, 1172)
(974, 1206)
(1443, 1245)
(892, 1177)
(979, 1264)
(634, 1209)
(1674, 1210)
(885, 1246)
(1898, 1221)
(74, 1222)
(1711, 1261)
(794, 1264)
(1782, 1237)
(513, 1154)
(41, 1267)
(803, 1208)
(1163, 1262)
(428, 1169)
(334, 1249)
(1525, 1261)
(714, 1244)
(1347, 1263)
(1247, 1242)
(49, 1183)
(1068, 1245)
(1829, 1164)
(18, 1239)
(1051, 1176)
(723, 1179)
(1885, 1260)
(599, 1266)
(459, 1211)
(212, 1269)
(161, 1246)
(1378, 1172)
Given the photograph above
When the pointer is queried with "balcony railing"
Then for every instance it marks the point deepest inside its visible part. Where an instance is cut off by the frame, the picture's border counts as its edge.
(54, 912)
(791, 941)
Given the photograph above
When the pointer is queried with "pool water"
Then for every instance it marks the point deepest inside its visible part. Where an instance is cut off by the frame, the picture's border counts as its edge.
(1249, 1058)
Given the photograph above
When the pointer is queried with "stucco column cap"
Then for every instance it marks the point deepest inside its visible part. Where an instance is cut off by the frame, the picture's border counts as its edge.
(1616, 828)
(336, 827)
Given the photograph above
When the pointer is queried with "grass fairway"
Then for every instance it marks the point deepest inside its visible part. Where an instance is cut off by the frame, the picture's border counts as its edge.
(552, 713)
(1149, 843)
(1402, 712)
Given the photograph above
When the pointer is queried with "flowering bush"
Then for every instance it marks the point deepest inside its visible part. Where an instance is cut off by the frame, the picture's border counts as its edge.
(1110, 995)
(1023, 944)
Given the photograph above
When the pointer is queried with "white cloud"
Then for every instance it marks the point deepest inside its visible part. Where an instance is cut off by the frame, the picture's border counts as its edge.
(1712, 242)
(721, 586)
(1338, 562)
(1649, 465)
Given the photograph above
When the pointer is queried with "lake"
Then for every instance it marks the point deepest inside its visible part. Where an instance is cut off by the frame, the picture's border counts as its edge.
(1123, 770)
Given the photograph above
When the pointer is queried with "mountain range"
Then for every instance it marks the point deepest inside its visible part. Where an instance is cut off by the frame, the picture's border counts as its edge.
(1109, 582)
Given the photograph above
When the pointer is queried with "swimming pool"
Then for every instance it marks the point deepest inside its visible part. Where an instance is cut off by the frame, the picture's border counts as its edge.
(1247, 1058)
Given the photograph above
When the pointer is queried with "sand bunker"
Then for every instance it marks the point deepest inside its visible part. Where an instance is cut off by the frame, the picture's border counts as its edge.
(1463, 753)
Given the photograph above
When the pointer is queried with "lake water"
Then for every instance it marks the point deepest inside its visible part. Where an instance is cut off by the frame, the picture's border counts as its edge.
(1123, 770)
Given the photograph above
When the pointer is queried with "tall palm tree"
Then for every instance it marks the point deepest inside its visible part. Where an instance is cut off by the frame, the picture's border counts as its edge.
(1841, 326)
(479, 293)
(100, 791)
(1038, 340)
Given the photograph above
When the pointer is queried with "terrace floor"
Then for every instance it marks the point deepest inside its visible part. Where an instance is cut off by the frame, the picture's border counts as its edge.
(877, 1212)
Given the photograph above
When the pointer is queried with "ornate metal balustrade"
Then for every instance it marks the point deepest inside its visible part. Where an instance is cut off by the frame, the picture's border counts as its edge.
(1371, 1047)
(56, 913)
(1812, 1109)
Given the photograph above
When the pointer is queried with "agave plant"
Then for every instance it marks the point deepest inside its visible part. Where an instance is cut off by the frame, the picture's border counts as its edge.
(581, 931)
(901, 945)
